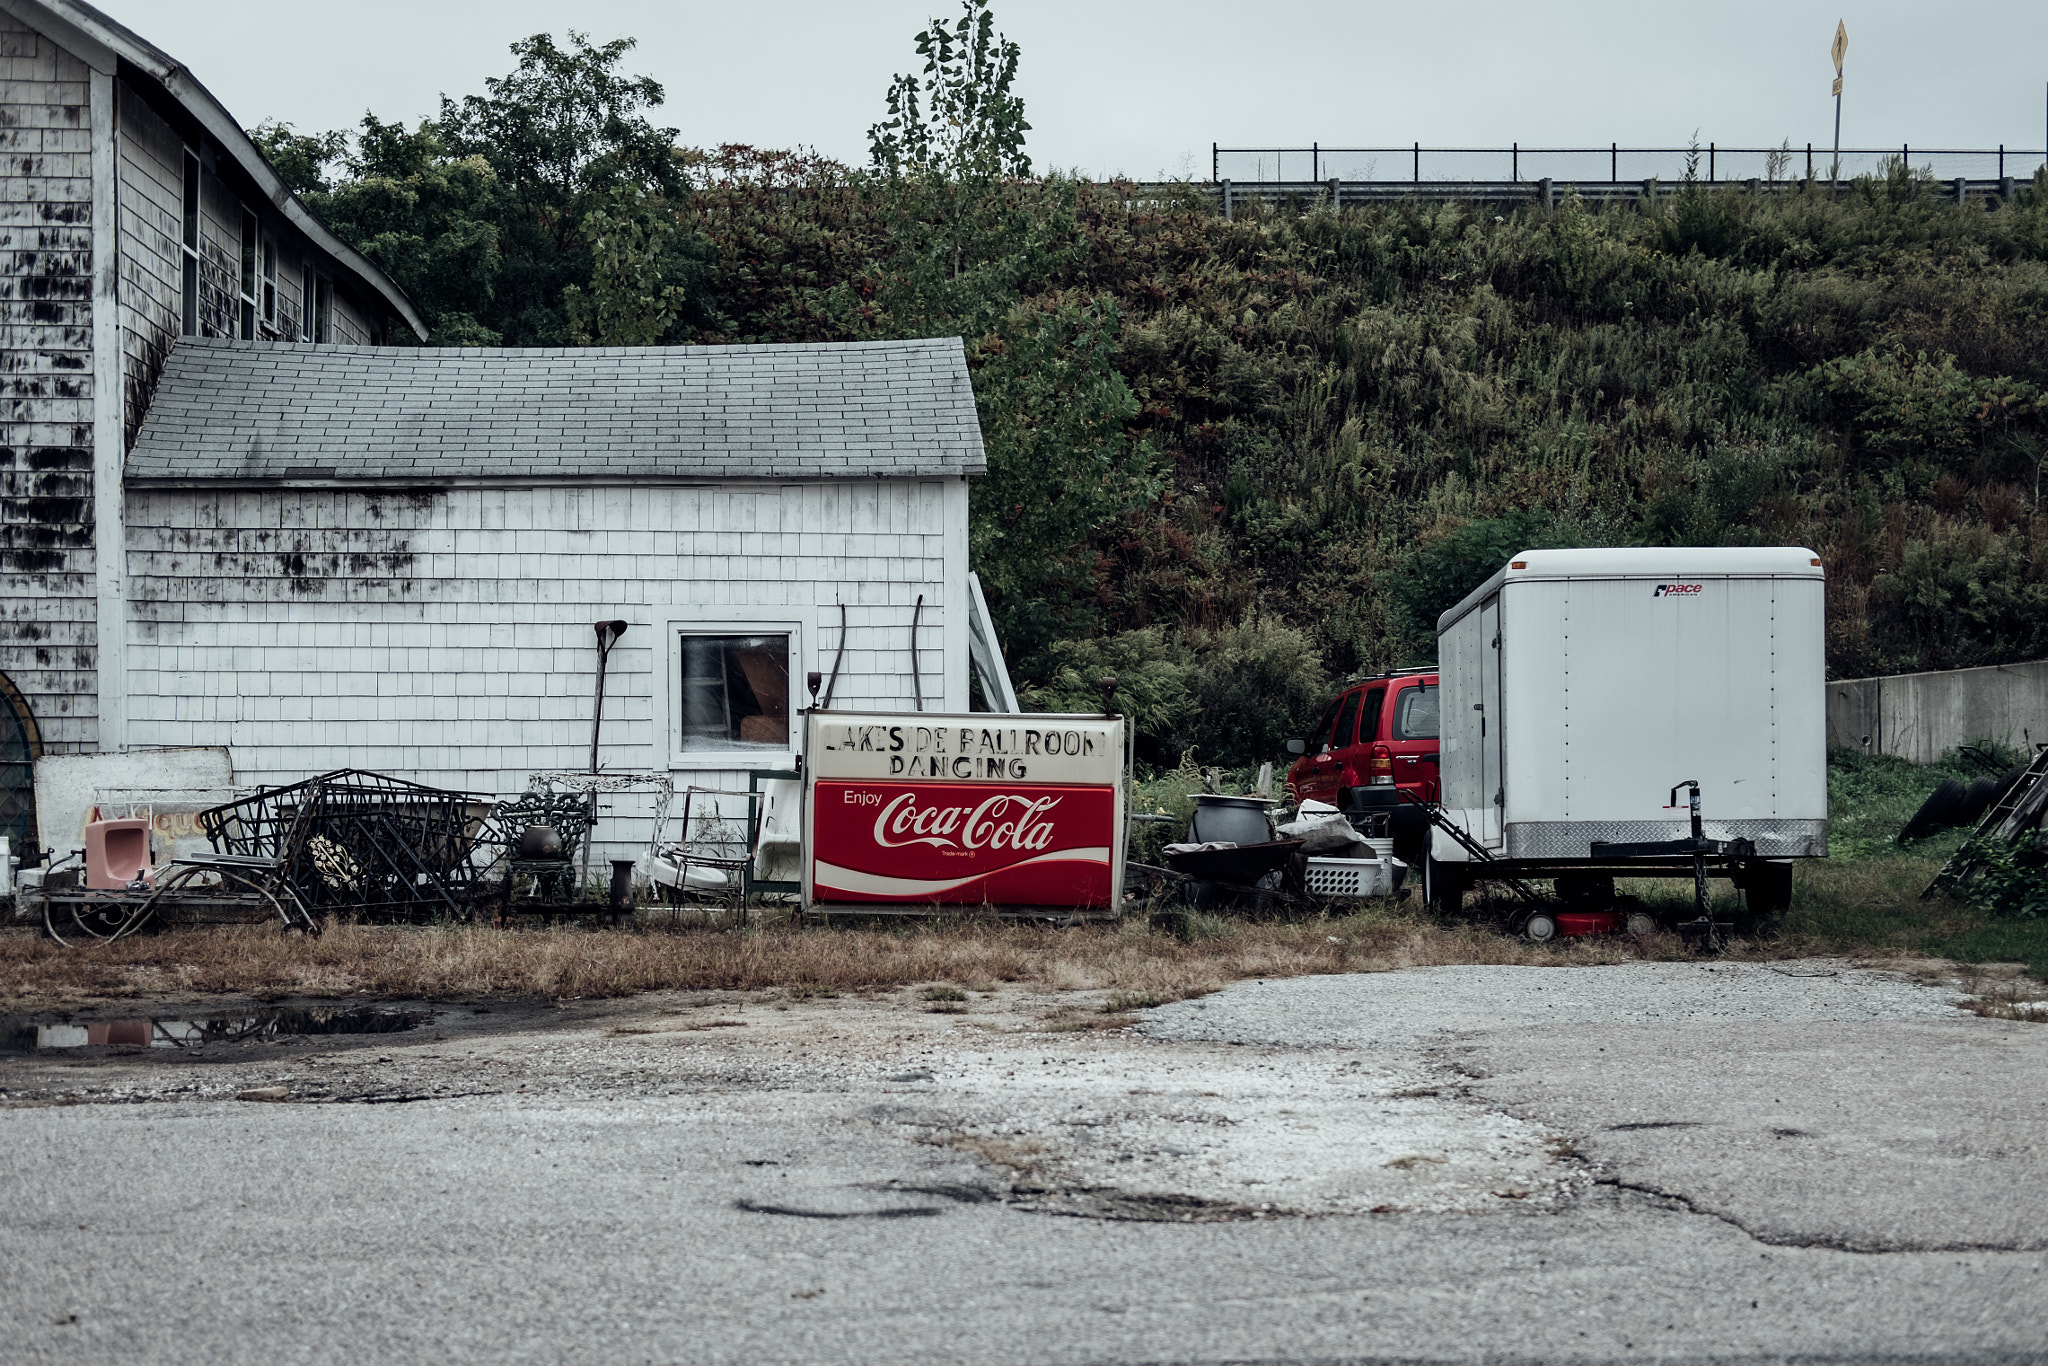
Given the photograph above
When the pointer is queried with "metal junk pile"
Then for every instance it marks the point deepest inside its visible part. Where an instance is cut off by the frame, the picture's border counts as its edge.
(380, 847)
(383, 849)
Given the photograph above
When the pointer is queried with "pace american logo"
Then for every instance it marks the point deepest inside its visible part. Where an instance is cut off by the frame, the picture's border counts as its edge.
(1678, 590)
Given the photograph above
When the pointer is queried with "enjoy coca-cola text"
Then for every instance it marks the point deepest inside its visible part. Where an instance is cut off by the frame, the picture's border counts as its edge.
(999, 822)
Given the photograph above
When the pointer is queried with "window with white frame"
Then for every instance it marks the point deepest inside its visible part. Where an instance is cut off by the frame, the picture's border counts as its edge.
(731, 689)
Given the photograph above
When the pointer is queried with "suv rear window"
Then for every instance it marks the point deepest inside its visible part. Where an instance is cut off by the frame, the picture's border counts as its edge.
(1415, 714)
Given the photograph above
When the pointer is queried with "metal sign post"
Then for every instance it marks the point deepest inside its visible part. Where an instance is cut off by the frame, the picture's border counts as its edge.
(1839, 50)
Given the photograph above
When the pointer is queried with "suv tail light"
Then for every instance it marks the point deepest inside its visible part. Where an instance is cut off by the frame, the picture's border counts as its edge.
(1379, 767)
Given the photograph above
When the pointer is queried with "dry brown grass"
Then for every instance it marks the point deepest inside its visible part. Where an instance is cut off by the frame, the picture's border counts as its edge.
(1865, 911)
(1131, 959)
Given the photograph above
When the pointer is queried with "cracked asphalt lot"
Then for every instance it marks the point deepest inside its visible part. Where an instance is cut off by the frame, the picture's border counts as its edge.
(1651, 1161)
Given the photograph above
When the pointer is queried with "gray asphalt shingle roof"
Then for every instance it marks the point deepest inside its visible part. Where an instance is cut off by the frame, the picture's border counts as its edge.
(260, 411)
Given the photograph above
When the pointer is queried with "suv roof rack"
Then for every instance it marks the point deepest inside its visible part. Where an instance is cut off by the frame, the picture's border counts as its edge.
(1408, 672)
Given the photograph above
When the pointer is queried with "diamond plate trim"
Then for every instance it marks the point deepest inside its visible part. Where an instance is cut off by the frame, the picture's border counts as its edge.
(1572, 839)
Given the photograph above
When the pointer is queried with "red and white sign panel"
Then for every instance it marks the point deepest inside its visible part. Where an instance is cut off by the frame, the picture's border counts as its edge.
(973, 810)
(956, 842)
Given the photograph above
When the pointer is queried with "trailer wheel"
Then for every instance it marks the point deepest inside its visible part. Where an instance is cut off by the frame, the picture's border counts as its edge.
(1766, 893)
(1443, 886)
(1542, 928)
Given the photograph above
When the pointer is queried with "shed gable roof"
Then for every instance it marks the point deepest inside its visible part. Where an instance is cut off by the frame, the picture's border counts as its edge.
(269, 412)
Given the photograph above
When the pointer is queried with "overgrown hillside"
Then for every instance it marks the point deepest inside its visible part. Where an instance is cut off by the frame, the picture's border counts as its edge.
(1227, 456)
(1231, 460)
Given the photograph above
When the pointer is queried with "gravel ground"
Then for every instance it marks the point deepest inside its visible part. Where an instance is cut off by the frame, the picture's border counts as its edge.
(1701, 1163)
(1400, 1009)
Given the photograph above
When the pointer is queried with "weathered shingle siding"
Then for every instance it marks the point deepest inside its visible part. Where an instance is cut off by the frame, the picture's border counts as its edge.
(447, 636)
(152, 207)
(350, 321)
(46, 510)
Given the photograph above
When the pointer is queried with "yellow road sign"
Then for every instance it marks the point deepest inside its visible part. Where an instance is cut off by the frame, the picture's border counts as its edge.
(1840, 48)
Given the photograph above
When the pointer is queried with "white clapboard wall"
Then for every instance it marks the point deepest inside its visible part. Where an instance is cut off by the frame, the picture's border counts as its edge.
(446, 635)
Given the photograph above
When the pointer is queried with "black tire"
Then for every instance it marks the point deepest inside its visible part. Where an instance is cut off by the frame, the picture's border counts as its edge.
(1934, 813)
(1443, 886)
(1766, 894)
(2007, 779)
(1976, 801)
(1410, 828)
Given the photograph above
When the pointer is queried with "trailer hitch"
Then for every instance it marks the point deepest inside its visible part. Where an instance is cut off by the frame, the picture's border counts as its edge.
(1699, 848)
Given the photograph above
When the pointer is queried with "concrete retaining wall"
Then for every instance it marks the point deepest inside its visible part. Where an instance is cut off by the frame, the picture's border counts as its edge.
(1923, 716)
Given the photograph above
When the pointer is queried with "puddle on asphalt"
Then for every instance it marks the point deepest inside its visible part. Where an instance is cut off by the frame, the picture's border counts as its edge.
(32, 1036)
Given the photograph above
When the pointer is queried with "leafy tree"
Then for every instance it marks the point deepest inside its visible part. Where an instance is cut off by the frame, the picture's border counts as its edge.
(549, 193)
(566, 136)
(429, 219)
(300, 159)
(962, 119)
(1060, 465)
(635, 254)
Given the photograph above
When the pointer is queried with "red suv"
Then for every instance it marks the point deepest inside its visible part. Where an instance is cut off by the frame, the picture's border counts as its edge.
(1379, 733)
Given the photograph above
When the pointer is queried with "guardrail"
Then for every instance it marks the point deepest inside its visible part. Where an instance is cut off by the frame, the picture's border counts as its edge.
(1417, 164)
(1546, 192)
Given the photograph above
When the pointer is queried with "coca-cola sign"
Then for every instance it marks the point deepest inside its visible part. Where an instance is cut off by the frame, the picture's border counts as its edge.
(962, 843)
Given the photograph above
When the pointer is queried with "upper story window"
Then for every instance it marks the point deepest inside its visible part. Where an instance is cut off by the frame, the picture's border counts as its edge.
(189, 240)
(248, 276)
(306, 302)
(266, 287)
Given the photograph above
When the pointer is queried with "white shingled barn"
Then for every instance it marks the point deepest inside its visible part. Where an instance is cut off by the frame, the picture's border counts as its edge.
(393, 559)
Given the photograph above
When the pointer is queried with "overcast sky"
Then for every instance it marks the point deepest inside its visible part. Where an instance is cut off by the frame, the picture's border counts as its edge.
(1143, 87)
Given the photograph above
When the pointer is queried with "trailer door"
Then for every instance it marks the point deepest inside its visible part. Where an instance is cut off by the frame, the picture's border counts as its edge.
(1491, 792)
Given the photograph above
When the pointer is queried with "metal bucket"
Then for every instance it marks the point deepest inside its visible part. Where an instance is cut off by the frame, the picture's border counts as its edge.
(1239, 820)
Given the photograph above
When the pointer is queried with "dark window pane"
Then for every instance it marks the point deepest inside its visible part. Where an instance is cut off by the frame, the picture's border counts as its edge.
(248, 255)
(1369, 723)
(1340, 735)
(191, 224)
(1415, 715)
(734, 692)
(1320, 736)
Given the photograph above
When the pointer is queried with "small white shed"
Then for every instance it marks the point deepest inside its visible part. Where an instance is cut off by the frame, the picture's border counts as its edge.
(393, 559)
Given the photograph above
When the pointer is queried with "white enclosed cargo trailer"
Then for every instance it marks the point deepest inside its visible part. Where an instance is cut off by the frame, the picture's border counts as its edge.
(1581, 686)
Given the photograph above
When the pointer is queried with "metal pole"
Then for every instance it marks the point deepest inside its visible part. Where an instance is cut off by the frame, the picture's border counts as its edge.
(1315, 161)
(1215, 163)
(1710, 163)
(1418, 163)
(1614, 161)
(1835, 172)
(1516, 164)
